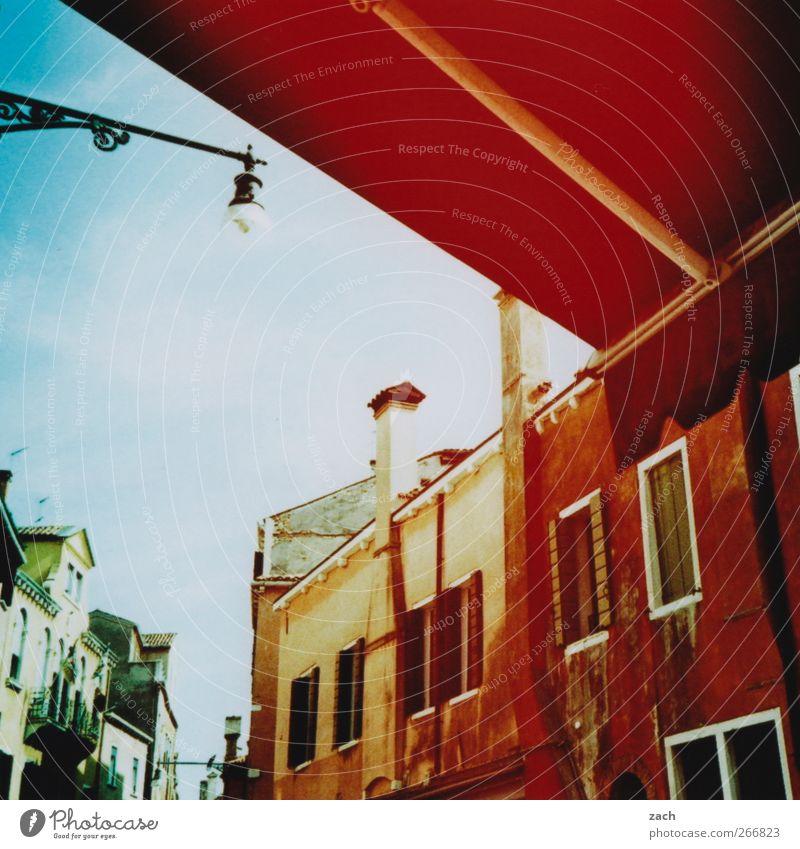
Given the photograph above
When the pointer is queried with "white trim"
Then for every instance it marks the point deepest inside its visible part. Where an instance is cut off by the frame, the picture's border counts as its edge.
(794, 383)
(652, 566)
(427, 600)
(351, 645)
(302, 766)
(462, 697)
(422, 713)
(453, 475)
(718, 731)
(463, 579)
(679, 604)
(580, 504)
(586, 643)
(343, 747)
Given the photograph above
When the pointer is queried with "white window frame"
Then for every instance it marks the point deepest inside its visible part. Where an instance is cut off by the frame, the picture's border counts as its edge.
(427, 654)
(307, 674)
(658, 609)
(580, 504)
(794, 383)
(353, 741)
(718, 731)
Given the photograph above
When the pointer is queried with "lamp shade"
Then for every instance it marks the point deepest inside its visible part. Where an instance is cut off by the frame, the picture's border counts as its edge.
(244, 210)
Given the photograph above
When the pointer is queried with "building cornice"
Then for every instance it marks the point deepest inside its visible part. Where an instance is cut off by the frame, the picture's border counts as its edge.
(36, 593)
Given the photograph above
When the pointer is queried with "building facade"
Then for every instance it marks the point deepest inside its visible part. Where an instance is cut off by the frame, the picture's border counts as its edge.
(389, 655)
(55, 672)
(601, 601)
(139, 698)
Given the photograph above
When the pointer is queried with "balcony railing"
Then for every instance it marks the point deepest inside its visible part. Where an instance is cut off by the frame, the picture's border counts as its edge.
(66, 714)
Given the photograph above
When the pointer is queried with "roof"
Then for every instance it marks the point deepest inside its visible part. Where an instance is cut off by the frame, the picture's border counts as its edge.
(49, 531)
(302, 536)
(407, 509)
(402, 393)
(153, 641)
(690, 113)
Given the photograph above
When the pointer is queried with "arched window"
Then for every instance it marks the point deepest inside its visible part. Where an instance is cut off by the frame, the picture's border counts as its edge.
(628, 786)
(46, 641)
(18, 645)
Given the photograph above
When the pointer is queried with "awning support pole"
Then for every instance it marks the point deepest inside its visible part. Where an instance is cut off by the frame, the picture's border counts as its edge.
(540, 137)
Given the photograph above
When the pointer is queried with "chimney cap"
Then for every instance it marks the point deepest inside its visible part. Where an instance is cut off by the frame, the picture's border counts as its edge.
(404, 393)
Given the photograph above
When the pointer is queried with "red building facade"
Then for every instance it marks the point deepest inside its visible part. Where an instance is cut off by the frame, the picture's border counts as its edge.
(663, 553)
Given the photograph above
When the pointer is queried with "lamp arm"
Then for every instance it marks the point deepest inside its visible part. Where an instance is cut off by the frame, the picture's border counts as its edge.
(19, 112)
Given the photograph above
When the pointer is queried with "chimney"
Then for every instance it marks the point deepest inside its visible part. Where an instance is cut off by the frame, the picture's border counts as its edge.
(233, 730)
(396, 469)
(5, 480)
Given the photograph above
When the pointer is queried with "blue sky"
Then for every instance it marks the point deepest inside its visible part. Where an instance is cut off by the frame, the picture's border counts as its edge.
(174, 381)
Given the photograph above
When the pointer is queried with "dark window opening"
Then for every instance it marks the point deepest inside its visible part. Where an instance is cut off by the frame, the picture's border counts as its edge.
(349, 710)
(443, 646)
(756, 762)
(303, 718)
(576, 573)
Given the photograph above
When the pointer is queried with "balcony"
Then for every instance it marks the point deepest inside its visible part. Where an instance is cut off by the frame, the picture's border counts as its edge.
(65, 728)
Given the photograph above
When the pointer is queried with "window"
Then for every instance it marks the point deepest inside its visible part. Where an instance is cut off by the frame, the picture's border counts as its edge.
(303, 718)
(135, 777)
(443, 646)
(418, 656)
(70, 579)
(349, 694)
(468, 595)
(18, 644)
(743, 758)
(579, 571)
(673, 575)
(112, 767)
(78, 585)
(45, 656)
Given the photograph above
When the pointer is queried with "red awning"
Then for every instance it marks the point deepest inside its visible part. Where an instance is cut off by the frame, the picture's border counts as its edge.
(689, 107)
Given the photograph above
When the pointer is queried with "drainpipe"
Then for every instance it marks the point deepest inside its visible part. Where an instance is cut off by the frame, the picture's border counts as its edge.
(538, 135)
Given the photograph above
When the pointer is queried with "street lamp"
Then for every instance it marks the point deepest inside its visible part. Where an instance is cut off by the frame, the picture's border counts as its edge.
(19, 113)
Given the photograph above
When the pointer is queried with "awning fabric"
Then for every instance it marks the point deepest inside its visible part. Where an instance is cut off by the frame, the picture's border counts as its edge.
(690, 107)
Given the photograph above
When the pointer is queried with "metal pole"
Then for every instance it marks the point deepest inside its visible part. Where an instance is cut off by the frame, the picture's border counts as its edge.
(538, 135)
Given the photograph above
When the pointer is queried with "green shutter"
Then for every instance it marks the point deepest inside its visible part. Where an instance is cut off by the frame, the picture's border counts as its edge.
(602, 594)
(552, 533)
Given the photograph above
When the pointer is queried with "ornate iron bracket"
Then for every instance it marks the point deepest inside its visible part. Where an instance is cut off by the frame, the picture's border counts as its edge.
(19, 113)
(24, 113)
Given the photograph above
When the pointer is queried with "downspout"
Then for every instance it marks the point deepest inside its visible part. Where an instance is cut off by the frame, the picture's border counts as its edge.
(438, 708)
(773, 575)
(538, 135)
(397, 579)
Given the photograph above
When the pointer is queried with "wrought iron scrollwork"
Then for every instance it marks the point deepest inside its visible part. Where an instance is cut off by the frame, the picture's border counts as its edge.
(33, 115)
(107, 137)
(26, 114)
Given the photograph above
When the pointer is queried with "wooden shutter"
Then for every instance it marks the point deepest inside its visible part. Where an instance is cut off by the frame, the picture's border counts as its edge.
(475, 631)
(313, 702)
(602, 593)
(297, 721)
(671, 521)
(358, 690)
(552, 533)
(341, 719)
(446, 648)
(413, 654)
